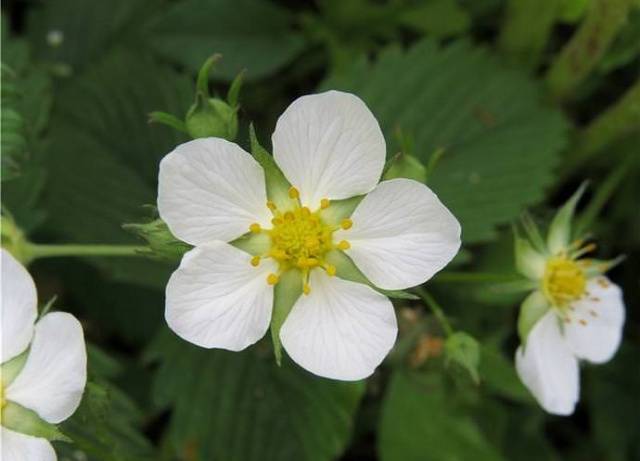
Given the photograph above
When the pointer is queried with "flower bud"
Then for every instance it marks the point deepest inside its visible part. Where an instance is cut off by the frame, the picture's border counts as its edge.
(212, 118)
(162, 244)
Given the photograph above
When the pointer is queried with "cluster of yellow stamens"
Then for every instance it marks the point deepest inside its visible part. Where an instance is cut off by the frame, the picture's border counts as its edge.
(565, 280)
(300, 239)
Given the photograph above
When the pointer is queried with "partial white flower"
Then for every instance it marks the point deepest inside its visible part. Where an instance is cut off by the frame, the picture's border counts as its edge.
(575, 314)
(44, 366)
(329, 147)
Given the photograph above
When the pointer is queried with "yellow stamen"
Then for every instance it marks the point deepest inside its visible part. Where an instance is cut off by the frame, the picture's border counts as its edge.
(293, 193)
(255, 228)
(331, 270)
(255, 261)
(344, 245)
(306, 288)
(272, 279)
(324, 203)
(564, 281)
(272, 206)
(346, 224)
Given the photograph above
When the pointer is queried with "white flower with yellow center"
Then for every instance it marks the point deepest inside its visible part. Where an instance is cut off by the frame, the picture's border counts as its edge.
(257, 243)
(43, 371)
(575, 314)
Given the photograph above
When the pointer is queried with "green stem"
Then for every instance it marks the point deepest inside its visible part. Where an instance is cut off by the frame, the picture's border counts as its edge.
(603, 21)
(602, 196)
(436, 309)
(474, 277)
(36, 251)
(620, 119)
(526, 28)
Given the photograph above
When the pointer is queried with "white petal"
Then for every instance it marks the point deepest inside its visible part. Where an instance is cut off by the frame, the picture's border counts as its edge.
(216, 298)
(210, 189)
(22, 447)
(548, 368)
(595, 328)
(53, 378)
(401, 235)
(341, 330)
(19, 307)
(329, 145)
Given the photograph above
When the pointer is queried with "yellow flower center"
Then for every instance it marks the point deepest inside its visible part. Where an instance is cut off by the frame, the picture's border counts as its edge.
(563, 281)
(300, 239)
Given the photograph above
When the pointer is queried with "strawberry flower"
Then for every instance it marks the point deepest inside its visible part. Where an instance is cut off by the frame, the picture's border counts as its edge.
(268, 235)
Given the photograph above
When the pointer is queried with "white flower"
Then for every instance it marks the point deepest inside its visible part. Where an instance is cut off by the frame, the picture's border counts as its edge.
(575, 314)
(43, 365)
(329, 147)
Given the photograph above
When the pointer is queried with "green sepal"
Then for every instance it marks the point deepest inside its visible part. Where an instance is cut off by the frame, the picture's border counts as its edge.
(202, 82)
(162, 244)
(254, 244)
(405, 166)
(339, 210)
(529, 262)
(277, 185)
(559, 235)
(20, 419)
(463, 349)
(531, 311)
(346, 269)
(10, 369)
(598, 267)
(169, 120)
(234, 90)
(285, 294)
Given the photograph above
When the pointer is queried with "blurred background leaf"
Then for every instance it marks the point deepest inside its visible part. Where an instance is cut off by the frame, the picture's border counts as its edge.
(242, 406)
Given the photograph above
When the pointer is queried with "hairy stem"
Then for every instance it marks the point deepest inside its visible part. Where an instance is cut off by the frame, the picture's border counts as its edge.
(526, 28)
(435, 309)
(603, 21)
(36, 251)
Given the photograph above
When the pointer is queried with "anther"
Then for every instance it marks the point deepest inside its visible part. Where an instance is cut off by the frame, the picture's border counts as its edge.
(306, 212)
(293, 193)
(331, 270)
(272, 279)
(582, 322)
(255, 261)
(272, 206)
(255, 228)
(344, 245)
(306, 288)
(324, 203)
(346, 224)
(276, 221)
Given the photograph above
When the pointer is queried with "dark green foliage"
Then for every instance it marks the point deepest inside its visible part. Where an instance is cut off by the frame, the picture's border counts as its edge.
(501, 143)
(242, 406)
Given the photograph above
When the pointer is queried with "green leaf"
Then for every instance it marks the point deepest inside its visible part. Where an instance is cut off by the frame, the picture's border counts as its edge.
(21, 419)
(106, 426)
(499, 375)
(252, 34)
(346, 269)
(531, 310)
(114, 155)
(242, 406)
(463, 349)
(422, 422)
(559, 235)
(285, 294)
(438, 18)
(501, 142)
